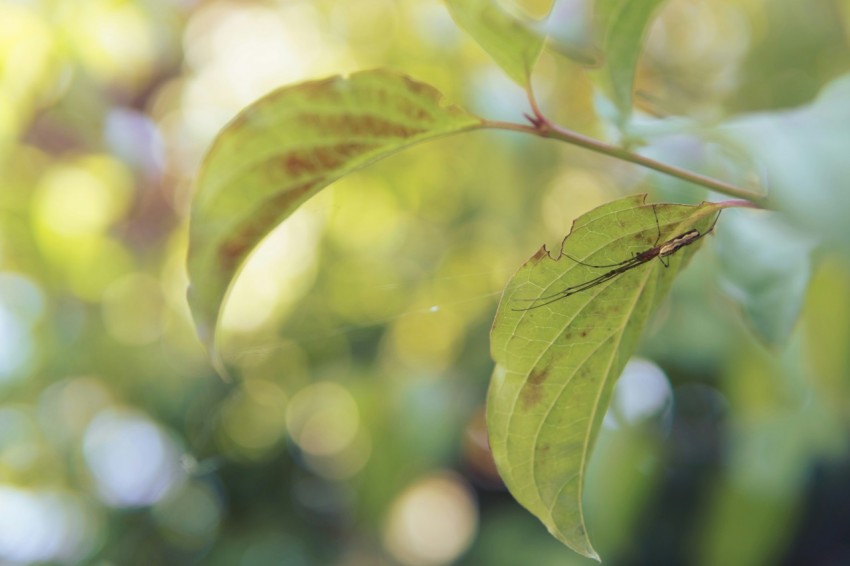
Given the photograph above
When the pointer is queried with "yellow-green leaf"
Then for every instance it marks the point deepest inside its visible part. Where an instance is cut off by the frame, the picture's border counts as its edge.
(511, 44)
(556, 364)
(623, 24)
(283, 149)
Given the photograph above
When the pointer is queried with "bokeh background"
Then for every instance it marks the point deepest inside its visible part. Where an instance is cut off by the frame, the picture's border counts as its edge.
(354, 433)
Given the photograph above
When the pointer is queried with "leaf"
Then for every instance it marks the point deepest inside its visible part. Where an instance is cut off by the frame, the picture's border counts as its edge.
(765, 269)
(556, 365)
(512, 45)
(826, 329)
(283, 149)
(804, 153)
(623, 24)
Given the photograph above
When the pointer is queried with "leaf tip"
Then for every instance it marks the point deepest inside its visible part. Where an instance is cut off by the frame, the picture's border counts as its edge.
(577, 540)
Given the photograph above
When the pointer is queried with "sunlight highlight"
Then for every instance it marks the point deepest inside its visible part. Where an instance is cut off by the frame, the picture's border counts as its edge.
(43, 526)
(253, 420)
(643, 392)
(132, 461)
(432, 522)
(324, 421)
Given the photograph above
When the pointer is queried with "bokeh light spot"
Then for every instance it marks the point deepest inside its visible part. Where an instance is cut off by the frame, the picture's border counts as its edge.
(66, 408)
(82, 198)
(114, 40)
(643, 392)
(21, 306)
(20, 440)
(282, 45)
(432, 522)
(366, 214)
(21, 297)
(253, 420)
(16, 347)
(323, 418)
(43, 526)
(132, 461)
(346, 462)
(133, 309)
(429, 340)
(189, 516)
(136, 139)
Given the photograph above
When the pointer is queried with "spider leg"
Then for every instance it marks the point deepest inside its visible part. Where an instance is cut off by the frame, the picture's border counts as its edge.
(657, 225)
(618, 264)
(572, 290)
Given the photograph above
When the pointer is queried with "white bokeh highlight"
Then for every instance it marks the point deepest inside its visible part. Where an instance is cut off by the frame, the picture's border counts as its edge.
(132, 461)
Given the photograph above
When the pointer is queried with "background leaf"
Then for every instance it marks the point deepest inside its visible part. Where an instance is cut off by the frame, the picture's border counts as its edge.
(556, 365)
(286, 147)
(623, 24)
(513, 46)
(569, 31)
(766, 267)
(804, 151)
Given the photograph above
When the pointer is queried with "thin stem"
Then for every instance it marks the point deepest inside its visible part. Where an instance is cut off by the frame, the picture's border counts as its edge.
(539, 119)
(544, 128)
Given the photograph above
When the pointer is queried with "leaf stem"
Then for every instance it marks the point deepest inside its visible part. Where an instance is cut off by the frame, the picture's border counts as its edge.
(542, 127)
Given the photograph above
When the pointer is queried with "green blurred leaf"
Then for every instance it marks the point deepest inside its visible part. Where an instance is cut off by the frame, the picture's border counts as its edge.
(512, 45)
(765, 269)
(804, 152)
(568, 29)
(774, 411)
(623, 25)
(556, 365)
(283, 149)
(826, 330)
(766, 518)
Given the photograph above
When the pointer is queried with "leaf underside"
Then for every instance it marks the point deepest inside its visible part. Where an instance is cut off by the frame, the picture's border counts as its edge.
(556, 365)
(283, 149)
(624, 24)
(511, 44)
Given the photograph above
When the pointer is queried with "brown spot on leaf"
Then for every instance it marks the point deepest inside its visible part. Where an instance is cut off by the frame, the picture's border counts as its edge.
(418, 88)
(357, 125)
(321, 159)
(584, 373)
(539, 254)
(413, 112)
(532, 393)
(232, 251)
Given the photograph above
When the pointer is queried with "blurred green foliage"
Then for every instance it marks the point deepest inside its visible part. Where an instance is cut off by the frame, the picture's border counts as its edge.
(354, 434)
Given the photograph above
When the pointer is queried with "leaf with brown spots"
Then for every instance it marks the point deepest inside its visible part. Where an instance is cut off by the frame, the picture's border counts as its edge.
(283, 149)
(548, 394)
